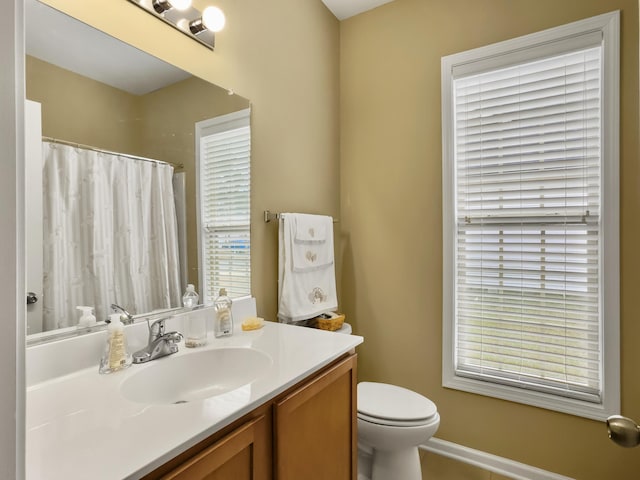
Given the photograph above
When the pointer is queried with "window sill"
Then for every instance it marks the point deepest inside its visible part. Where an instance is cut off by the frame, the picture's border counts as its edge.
(580, 408)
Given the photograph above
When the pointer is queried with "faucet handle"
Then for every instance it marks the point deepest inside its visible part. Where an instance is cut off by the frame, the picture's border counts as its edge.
(156, 329)
(173, 337)
(170, 341)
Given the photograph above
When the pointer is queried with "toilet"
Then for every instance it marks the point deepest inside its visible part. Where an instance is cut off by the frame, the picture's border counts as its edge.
(392, 423)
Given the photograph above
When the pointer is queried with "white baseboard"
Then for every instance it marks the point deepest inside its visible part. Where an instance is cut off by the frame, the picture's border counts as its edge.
(489, 462)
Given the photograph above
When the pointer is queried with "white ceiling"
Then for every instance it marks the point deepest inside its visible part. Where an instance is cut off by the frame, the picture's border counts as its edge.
(348, 8)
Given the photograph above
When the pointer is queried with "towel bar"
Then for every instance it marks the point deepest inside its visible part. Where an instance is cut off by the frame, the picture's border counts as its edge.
(268, 216)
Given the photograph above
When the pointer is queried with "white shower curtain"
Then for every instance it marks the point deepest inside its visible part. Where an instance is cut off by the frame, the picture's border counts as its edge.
(110, 235)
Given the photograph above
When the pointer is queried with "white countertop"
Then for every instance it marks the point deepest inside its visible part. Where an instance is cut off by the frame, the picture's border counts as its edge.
(80, 426)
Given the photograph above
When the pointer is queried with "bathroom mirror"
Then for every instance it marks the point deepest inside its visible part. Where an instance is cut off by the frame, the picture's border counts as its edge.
(99, 94)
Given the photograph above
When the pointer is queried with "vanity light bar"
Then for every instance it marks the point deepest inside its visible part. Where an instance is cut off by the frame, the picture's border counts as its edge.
(180, 20)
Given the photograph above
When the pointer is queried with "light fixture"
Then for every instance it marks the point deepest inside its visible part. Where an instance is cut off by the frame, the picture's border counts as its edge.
(187, 19)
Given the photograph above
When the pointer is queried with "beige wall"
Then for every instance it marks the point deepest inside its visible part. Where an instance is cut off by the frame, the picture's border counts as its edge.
(283, 55)
(78, 109)
(391, 219)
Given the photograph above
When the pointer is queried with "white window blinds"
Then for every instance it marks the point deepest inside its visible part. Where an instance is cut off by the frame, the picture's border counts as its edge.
(531, 277)
(527, 262)
(224, 197)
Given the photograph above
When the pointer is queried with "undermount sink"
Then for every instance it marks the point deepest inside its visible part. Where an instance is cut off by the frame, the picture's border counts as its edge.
(195, 376)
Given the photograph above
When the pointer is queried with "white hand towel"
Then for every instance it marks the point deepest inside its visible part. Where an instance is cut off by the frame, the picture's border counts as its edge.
(310, 228)
(309, 249)
(306, 273)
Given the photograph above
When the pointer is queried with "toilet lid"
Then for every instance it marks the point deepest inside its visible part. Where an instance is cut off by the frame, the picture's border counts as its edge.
(393, 403)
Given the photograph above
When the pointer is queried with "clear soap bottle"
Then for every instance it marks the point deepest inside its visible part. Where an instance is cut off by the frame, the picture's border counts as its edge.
(190, 297)
(116, 356)
(223, 323)
(87, 319)
(196, 321)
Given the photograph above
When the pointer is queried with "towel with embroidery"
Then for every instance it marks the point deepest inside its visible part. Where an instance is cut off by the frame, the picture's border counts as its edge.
(306, 271)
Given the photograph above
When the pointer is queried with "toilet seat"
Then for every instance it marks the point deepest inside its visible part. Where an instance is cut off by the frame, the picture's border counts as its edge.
(391, 405)
(393, 423)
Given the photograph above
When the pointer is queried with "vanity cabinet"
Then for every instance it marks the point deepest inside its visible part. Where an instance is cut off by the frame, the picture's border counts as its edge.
(308, 432)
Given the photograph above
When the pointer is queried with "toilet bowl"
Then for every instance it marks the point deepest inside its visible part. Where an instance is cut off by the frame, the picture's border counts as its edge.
(392, 423)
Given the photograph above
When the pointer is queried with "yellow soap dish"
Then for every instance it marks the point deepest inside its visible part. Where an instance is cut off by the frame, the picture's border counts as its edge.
(252, 323)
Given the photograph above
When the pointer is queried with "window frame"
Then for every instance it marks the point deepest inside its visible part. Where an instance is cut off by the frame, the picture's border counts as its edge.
(204, 128)
(510, 52)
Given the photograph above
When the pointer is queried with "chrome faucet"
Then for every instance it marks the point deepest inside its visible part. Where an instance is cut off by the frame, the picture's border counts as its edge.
(125, 317)
(160, 344)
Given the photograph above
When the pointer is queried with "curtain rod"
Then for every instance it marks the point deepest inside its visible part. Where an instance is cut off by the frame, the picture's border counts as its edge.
(100, 150)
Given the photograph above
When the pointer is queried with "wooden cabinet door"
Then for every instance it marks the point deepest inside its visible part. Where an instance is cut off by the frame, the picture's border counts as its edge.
(315, 427)
(244, 454)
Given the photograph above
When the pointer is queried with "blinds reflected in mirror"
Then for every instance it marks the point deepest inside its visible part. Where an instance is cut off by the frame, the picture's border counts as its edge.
(224, 170)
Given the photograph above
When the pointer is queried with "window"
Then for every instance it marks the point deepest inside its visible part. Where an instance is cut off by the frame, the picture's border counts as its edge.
(223, 164)
(530, 219)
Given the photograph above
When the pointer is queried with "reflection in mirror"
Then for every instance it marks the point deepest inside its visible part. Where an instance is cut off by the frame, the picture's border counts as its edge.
(112, 174)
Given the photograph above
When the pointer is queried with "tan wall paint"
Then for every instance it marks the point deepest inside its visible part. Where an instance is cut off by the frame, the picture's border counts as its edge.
(284, 56)
(391, 219)
(78, 109)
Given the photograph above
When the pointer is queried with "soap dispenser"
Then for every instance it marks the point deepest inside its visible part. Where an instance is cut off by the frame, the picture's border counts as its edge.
(87, 319)
(115, 357)
(190, 297)
(223, 323)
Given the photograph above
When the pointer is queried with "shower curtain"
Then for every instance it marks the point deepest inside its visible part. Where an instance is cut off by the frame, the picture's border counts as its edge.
(110, 235)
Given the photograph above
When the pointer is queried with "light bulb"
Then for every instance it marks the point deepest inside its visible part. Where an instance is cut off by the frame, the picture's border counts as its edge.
(162, 6)
(213, 19)
(180, 4)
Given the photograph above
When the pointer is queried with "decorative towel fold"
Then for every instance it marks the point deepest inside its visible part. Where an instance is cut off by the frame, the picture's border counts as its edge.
(309, 248)
(310, 228)
(306, 272)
